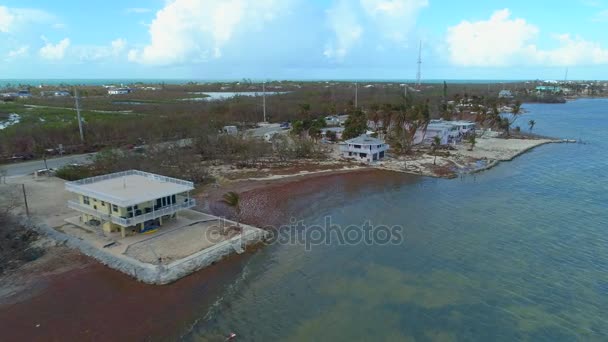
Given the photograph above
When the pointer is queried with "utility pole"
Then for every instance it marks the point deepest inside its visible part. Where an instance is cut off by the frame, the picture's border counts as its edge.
(419, 73)
(27, 208)
(264, 99)
(78, 114)
(356, 95)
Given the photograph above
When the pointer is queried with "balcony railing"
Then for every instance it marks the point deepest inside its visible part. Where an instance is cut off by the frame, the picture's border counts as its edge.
(75, 186)
(130, 221)
(345, 148)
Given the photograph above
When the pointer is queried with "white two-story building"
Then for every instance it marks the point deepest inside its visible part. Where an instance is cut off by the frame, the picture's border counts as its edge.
(133, 201)
(364, 148)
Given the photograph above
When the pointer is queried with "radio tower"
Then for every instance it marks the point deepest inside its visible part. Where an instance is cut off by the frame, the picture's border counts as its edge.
(419, 74)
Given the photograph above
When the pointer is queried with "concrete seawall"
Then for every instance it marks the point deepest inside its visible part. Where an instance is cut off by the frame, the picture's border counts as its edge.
(150, 273)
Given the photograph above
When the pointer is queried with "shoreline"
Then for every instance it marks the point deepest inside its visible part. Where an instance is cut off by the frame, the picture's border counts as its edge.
(60, 285)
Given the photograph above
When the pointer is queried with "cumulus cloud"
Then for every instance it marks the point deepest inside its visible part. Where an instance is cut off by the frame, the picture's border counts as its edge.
(345, 25)
(394, 18)
(504, 41)
(12, 19)
(100, 52)
(6, 19)
(18, 52)
(54, 51)
(351, 22)
(196, 30)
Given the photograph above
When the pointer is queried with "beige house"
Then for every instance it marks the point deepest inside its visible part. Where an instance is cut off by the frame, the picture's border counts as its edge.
(130, 200)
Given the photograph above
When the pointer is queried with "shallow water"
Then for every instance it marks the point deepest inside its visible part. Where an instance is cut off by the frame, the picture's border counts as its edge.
(517, 252)
(225, 95)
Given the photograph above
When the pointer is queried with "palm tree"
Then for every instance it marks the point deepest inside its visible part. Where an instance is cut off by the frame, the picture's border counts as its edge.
(232, 199)
(436, 144)
(531, 123)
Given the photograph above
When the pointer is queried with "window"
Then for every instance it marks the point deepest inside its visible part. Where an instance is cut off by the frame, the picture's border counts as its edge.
(86, 200)
(136, 207)
(129, 209)
(103, 204)
(95, 207)
(357, 146)
(114, 208)
(173, 199)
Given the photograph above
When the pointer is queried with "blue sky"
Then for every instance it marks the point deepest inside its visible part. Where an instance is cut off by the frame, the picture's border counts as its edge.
(303, 39)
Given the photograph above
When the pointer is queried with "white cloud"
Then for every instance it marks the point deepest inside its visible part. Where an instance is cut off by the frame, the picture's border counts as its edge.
(195, 30)
(503, 41)
(394, 18)
(6, 19)
(54, 51)
(600, 17)
(138, 10)
(344, 23)
(101, 52)
(18, 52)
(12, 19)
(572, 51)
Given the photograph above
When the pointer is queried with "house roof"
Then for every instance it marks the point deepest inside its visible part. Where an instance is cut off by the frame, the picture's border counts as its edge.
(364, 140)
(129, 187)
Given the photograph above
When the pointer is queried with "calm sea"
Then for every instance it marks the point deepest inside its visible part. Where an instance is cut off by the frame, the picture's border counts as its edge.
(519, 252)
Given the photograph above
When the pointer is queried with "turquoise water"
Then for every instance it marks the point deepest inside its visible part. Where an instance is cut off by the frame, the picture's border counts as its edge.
(516, 253)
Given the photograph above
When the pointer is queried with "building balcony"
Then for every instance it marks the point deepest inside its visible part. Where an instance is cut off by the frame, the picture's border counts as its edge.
(363, 150)
(131, 221)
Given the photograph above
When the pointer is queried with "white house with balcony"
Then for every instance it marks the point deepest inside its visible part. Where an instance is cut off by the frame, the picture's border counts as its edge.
(364, 148)
(130, 200)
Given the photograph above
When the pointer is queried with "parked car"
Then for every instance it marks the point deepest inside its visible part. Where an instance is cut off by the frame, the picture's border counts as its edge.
(21, 156)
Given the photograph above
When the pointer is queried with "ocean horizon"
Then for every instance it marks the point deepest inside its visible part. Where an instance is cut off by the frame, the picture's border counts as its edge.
(176, 81)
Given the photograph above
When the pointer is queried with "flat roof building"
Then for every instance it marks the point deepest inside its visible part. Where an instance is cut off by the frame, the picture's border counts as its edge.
(130, 200)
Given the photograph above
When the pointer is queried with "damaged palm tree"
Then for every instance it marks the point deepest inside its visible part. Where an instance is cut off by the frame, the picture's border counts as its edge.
(232, 199)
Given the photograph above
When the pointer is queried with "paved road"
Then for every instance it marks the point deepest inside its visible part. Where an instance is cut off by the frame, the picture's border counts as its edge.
(260, 131)
(26, 168)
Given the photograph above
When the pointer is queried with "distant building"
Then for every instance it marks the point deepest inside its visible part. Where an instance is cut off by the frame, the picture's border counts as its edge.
(129, 201)
(336, 120)
(505, 94)
(364, 148)
(230, 130)
(56, 93)
(448, 132)
(24, 94)
(548, 90)
(62, 93)
(119, 91)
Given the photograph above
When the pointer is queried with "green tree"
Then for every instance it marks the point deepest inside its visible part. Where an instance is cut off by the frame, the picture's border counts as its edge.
(355, 125)
(331, 135)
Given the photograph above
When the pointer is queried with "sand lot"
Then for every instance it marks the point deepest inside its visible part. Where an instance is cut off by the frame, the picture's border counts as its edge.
(499, 148)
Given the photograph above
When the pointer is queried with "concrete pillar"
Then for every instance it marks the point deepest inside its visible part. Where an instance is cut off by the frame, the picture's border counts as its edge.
(122, 231)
